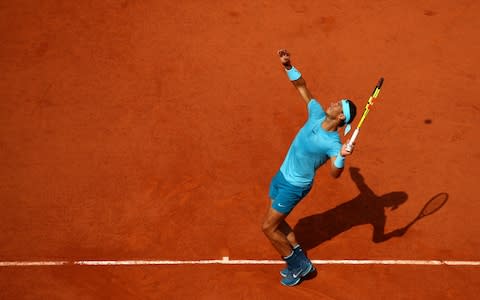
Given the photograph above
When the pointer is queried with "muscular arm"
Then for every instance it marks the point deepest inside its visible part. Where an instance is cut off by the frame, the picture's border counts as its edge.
(300, 83)
(302, 89)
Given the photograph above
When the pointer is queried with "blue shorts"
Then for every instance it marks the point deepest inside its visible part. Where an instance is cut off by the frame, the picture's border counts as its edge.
(284, 195)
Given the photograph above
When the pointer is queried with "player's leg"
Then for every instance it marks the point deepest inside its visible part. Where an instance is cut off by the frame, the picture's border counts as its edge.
(276, 229)
(297, 267)
(270, 228)
(288, 232)
(297, 249)
(284, 198)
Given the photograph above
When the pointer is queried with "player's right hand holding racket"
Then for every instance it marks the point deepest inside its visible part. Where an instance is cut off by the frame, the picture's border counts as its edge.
(347, 148)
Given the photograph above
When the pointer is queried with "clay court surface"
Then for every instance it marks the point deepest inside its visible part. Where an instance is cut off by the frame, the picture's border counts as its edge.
(150, 130)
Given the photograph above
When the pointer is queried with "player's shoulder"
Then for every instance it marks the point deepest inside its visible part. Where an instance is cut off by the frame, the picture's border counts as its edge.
(315, 108)
(313, 102)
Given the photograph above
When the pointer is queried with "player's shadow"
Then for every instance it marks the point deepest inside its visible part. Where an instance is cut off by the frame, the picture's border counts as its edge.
(366, 208)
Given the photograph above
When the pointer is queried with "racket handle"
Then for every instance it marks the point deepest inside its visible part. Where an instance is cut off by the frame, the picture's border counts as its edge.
(352, 140)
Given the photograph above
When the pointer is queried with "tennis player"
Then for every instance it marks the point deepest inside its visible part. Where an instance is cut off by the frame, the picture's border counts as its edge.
(317, 142)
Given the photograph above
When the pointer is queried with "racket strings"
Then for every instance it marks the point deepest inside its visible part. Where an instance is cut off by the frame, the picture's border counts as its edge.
(434, 204)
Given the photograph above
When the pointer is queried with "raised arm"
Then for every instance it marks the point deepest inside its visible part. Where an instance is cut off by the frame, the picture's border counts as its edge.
(299, 83)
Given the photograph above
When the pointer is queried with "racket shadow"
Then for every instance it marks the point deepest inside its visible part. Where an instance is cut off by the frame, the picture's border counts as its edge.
(366, 208)
(431, 206)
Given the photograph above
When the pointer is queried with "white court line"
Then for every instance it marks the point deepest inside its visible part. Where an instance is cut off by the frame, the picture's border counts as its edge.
(227, 261)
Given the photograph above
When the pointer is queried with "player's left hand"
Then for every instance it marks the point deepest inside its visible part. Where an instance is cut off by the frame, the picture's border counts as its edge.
(284, 58)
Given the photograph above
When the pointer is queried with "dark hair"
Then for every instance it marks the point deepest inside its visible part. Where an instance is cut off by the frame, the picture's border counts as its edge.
(353, 112)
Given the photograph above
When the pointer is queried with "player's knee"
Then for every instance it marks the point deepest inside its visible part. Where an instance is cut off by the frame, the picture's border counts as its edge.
(291, 239)
(267, 229)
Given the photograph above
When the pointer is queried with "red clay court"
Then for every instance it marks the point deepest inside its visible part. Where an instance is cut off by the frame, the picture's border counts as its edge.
(147, 132)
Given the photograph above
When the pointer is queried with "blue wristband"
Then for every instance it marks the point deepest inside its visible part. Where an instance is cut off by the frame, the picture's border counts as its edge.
(293, 74)
(339, 161)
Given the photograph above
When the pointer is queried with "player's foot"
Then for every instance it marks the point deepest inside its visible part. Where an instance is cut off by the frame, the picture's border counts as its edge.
(290, 280)
(295, 276)
(298, 251)
(284, 272)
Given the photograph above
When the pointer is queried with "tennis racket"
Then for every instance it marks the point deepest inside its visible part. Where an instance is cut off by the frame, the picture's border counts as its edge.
(370, 103)
(432, 206)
